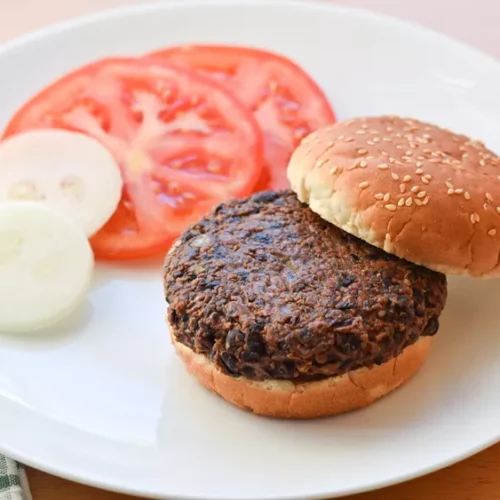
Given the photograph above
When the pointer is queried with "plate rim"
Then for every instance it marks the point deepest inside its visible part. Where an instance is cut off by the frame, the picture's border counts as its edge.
(153, 5)
(99, 480)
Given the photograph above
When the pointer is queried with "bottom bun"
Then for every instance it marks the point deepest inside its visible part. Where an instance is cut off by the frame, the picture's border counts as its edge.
(330, 396)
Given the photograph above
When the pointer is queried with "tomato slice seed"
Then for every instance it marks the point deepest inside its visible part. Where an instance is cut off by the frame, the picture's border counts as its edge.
(184, 144)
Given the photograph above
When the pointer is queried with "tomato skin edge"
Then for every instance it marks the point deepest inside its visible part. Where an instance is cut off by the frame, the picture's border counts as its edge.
(121, 255)
(117, 249)
(89, 69)
(253, 52)
(214, 58)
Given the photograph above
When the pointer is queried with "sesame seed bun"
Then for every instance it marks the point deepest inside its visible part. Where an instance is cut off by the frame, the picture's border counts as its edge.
(415, 190)
(326, 397)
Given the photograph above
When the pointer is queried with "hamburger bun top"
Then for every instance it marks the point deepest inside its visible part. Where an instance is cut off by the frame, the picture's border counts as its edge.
(420, 192)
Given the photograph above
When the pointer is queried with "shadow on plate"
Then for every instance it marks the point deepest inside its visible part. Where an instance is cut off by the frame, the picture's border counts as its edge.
(64, 332)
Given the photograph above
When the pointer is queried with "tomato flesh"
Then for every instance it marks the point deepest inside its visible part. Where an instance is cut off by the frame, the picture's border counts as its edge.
(285, 101)
(184, 144)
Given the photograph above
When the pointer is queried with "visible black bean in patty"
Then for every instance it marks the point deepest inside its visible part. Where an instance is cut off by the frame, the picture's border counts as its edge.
(267, 289)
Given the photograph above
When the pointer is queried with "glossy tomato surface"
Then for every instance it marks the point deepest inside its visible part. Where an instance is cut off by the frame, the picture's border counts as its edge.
(284, 99)
(183, 142)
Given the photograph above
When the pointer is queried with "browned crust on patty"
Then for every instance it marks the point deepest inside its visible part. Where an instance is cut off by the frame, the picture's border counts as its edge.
(326, 397)
(266, 289)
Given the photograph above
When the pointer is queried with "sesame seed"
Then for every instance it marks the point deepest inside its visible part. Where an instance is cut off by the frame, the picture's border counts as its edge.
(420, 158)
(349, 139)
(418, 164)
(459, 191)
(418, 202)
(409, 202)
(407, 178)
(425, 180)
(419, 171)
(449, 185)
(407, 159)
(467, 195)
(362, 151)
(472, 218)
(426, 136)
(492, 232)
(364, 125)
(489, 197)
(340, 137)
(376, 139)
(482, 162)
(384, 153)
(409, 152)
(329, 144)
(428, 151)
(402, 188)
(425, 201)
(392, 160)
(369, 157)
(421, 194)
(386, 139)
(320, 163)
(333, 170)
(383, 166)
(363, 185)
(391, 207)
(485, 206)
(401, 202)
(387, 197)
(498, 209)
(398, 146)
(370, 143)
(363, 163)
(476, 216)
(379, 196)
(360, 132)
(451, 191)
(428, 176)
(415, 189)
(395, 176)
(413, 145)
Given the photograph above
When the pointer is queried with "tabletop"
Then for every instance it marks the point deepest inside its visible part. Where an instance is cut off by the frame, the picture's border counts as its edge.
(473, 21)
(477, 478)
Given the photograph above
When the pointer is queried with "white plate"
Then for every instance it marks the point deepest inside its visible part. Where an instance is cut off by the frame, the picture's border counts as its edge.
(108, 403)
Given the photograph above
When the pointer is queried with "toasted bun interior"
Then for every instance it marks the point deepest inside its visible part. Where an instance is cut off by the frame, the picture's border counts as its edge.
(331, 396)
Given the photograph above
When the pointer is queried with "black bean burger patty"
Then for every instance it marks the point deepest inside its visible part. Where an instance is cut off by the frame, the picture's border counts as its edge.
(266, 289)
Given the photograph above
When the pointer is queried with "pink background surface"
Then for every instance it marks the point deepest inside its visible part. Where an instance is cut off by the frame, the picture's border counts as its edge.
(473, 21)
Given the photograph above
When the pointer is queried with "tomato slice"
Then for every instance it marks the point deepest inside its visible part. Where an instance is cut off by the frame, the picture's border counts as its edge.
(183, 142)
(286, 102)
